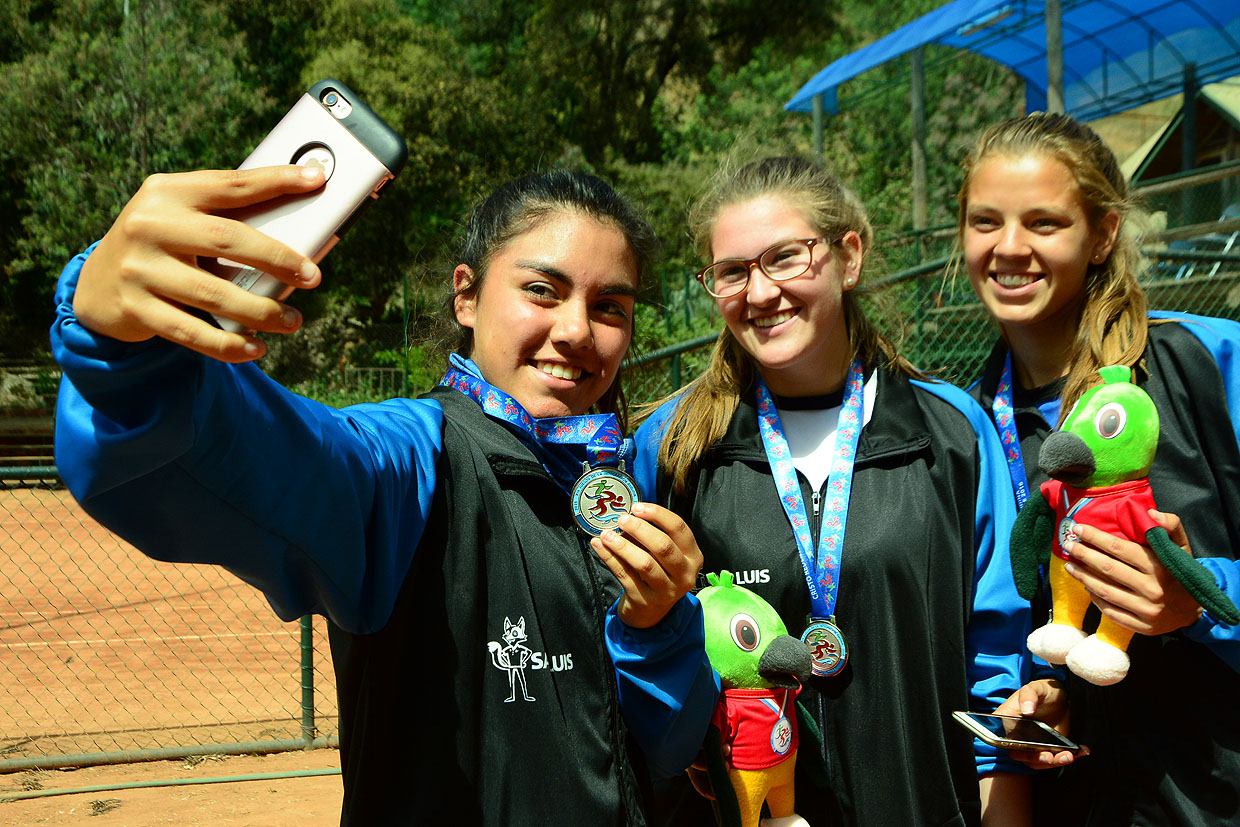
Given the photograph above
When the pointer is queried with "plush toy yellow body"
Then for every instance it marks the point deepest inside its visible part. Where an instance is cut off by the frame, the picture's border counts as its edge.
(1099, 462)
(761, 667)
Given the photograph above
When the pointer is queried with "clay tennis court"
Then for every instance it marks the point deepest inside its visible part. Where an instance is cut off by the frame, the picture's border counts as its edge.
(104, 651)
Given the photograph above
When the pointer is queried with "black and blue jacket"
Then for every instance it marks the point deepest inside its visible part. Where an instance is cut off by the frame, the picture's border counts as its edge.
(1165, 741)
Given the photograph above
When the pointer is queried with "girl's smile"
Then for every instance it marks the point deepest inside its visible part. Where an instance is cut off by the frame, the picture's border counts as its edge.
(1028, 242)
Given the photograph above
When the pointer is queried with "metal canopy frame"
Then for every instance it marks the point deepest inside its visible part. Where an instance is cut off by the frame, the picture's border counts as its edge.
(1115, 55)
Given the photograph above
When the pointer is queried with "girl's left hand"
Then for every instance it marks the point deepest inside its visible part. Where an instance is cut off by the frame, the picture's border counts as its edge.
(656, 559)
(1128, 583)
(1045, 700)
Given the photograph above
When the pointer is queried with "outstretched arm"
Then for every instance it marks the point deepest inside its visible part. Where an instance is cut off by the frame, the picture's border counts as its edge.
(192, 459)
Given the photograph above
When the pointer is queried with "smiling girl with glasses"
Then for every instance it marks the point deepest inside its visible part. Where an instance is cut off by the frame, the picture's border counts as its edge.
(868, 505)
(781, 261)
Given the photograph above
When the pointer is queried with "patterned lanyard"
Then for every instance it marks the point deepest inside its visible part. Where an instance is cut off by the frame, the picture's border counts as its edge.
(822, 569)
(599, 433)
(1005, 420)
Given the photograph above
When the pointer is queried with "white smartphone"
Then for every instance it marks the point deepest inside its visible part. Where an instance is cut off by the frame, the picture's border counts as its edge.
(332, 128)
(1010, 732)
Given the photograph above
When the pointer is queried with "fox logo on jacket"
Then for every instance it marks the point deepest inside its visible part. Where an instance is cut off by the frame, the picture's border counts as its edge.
(514, 657)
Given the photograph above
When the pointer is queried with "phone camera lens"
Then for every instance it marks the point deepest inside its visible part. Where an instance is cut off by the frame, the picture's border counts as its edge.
(336, 103)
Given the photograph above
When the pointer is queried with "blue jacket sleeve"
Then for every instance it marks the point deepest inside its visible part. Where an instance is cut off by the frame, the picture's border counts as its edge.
(1224, 641)
(1221, 337)
(194, 460)
(999, 663)
(667, 687)
(646, 443)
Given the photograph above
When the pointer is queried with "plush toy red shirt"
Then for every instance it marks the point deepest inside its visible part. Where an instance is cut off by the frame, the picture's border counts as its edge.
(759, 724)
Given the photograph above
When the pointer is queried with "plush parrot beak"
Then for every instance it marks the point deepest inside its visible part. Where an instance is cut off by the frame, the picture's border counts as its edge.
(785, 663)
(1066, 457)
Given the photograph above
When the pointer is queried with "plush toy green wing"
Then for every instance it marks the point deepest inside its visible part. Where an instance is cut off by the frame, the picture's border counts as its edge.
(1196, 578)
(1032, 535)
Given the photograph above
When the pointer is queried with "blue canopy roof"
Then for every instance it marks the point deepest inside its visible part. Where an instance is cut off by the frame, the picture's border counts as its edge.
(1116, 55)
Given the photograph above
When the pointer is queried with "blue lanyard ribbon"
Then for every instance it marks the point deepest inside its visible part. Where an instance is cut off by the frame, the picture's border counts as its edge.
(600, 434)
(1005, 420)
(822, 568)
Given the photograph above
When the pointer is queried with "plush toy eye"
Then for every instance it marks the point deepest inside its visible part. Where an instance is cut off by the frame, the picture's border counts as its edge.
(745, 633)
(1110, 421)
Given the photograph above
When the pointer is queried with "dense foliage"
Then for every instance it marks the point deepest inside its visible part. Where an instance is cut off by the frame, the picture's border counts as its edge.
(97, 94)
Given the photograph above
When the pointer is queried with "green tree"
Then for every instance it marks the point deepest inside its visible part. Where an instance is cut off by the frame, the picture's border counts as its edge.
(107, 100)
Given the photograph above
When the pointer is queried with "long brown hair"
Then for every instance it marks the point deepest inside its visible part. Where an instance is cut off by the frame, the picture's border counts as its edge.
(1114, 327)
(708, 403)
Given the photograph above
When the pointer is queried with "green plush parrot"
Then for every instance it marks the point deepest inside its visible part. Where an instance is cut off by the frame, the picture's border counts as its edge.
(761, 667)
(1099, 462)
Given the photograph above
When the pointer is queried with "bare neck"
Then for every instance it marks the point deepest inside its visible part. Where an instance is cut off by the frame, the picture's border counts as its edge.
(1039, 356)
(803, 382)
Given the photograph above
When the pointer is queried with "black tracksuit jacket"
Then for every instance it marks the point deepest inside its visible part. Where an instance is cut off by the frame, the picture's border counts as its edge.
(424, 707)
(891, 754)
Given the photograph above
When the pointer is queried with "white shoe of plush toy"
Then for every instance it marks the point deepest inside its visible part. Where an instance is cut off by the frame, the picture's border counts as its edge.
(786, 821)
(1099, 663)
(1054, 641)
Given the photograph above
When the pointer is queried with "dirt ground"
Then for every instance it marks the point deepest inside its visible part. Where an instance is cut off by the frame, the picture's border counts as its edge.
(296, 802)
(105, 650)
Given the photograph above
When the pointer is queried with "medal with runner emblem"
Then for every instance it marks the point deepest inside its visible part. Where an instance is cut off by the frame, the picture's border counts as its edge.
(1065, 530)
(828, 651)
(601, 496)
(820, 562)
(781, 737)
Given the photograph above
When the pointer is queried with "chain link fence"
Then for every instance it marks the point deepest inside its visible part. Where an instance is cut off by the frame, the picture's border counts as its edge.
(106, 655)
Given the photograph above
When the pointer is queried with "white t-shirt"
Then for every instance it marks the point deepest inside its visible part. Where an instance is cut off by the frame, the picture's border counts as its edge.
(810, 432)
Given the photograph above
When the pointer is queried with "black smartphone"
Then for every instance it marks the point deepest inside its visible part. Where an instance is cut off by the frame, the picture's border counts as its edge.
(1010, 732)
(331, 127)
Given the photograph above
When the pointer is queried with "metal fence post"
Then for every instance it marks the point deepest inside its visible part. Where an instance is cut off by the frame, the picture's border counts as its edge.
(307, 681)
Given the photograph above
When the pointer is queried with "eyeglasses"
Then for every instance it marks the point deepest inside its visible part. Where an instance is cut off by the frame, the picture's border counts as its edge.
(779, 262)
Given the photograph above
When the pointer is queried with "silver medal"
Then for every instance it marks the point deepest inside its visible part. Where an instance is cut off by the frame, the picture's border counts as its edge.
(828, 651)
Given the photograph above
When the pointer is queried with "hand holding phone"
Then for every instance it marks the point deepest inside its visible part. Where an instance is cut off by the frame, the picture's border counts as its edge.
(1014, 733)
(142, 280)
(330, 128)
(148, 275)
